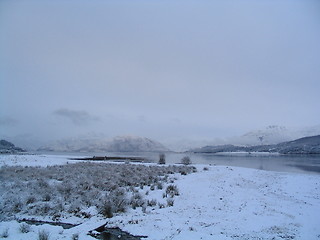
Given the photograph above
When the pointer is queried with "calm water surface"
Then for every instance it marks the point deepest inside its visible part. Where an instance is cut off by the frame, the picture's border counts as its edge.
(282, 163)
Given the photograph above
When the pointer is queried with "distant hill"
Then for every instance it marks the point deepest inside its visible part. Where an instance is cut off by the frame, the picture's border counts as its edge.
(8, 147)
(269, 135)
(117, 144)
(274, 134)
(306, 145)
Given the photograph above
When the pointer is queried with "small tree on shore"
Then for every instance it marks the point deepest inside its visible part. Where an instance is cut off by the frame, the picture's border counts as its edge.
(186, 160)
(162, 158)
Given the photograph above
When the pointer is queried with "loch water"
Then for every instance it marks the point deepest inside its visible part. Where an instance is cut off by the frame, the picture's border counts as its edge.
(309, 164)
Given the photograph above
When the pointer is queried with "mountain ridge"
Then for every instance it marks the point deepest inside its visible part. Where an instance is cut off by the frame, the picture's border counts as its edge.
(305, 145)
(8, 147)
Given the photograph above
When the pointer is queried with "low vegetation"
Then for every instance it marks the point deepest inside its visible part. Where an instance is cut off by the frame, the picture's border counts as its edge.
(74, 188)
(4, 233)
(75, 236)
(43, 235)
(24, 228)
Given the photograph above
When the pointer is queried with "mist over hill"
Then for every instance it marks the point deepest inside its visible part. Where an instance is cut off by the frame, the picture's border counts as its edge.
(269, 135)
(100, 142)
(274, 134)
(117, 144)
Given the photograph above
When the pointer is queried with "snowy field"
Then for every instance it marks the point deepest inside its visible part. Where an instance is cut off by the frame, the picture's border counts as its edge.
(216, 202)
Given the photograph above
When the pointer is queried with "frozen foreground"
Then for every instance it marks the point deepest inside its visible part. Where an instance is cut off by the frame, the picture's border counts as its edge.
(217, 203)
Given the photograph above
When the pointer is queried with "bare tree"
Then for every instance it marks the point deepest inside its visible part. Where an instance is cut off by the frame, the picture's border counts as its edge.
(186, 160)
(162, 158)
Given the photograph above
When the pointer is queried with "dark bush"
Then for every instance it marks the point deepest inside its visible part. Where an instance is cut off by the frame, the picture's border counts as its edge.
(106, 209)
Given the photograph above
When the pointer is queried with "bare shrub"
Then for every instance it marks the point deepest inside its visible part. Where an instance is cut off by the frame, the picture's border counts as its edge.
(118, 198)
(5, 233)
(43, 235)
(43, 183)
(17, 206)
(170, 202)
(75, 207)
(24, 228)
(183, 173)
(137, 200)
(172, 190)
(46, 197)
(106, 209)
(159, 185)
(161, 205)
(152, 203)
(75, 236)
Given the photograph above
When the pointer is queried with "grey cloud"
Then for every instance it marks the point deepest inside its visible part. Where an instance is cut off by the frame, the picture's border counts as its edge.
(142, 118)
(176, 120)
(229, 69)
(8, 121)
(76, 117)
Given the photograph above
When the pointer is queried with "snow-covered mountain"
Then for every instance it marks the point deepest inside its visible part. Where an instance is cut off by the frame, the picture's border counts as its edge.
(117, 144)
(305, 145)
(182, 145)
(274, 134)
(270, 135)
(135, 144)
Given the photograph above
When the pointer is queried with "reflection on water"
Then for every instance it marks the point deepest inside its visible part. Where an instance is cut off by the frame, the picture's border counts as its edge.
(281, 163)
(315, 169)
(37, 223)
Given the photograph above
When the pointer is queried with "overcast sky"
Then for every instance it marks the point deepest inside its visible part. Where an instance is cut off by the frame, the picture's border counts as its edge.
(159, 69)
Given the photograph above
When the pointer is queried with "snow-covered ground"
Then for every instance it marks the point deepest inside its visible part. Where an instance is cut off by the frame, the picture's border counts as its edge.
(34, 160)
(217, 203)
